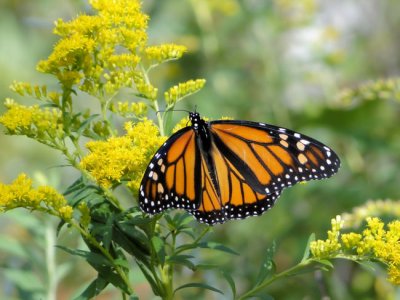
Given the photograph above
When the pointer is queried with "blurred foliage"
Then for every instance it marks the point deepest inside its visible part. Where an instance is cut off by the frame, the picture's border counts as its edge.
(281, 62)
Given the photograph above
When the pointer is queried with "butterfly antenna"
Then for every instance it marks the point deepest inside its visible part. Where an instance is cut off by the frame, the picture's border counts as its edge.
(171, 110)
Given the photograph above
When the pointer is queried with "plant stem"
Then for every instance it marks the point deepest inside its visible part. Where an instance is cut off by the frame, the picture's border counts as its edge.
(104, 251)
(287, 273)
(50, 261)
(156, 106)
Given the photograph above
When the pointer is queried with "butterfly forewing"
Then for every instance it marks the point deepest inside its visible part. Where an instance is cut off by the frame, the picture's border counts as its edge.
(271, 158)
(170, 178)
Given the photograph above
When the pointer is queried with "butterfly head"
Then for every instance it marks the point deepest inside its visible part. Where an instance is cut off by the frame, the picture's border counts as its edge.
(195, 119)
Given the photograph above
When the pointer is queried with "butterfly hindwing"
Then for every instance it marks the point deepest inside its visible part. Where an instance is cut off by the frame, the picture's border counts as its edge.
(169, 181)
(236, 199)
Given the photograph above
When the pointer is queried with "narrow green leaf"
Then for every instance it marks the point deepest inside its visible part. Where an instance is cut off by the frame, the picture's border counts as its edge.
(86, 123)
(113, 278)
(325, 262)
(231, 282)
(150, 279)
(217, 246)
(158, 246)
(91, 257)
(135, 235)
(182, 260)
(76, 185)
(93, 289)
(104, 232)
(121, 262)
(198, 285)
(130, 246)
(267, 268)
(306, 254)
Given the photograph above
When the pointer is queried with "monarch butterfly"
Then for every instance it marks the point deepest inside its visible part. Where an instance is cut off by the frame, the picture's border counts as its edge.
(227, 169)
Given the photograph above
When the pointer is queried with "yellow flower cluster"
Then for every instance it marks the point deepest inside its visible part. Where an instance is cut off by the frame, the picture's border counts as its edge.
(146, 90)
(32, 121)
(129, 109)
(384, 89)
(371, 208)
(374, 243)
(21, 194)
(178, 92)
(331, 245)
(38, 92)
(99, 53)
(124, 157)
(164, 52)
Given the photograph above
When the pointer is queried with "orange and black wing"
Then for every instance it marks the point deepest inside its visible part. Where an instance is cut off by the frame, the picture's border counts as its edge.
(234, 197)
(170, 178)
(269, 158)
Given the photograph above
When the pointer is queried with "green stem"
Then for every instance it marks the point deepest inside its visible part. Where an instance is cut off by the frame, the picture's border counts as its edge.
(287, 273)
(156, 106)
(104, 251)
(50, 261)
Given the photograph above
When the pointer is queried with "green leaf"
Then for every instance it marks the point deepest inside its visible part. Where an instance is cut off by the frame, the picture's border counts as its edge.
(267, 268)
(137, 250)
(91, 257)
(306, 254)
(231, 282)
(134, 235)
(75, 186)
(217, 246)
(325, 262)
(103, 232)
(198, 285)
(94, 289)
(122, 262)
(150, 279)
(158, 246)
(86, 123)
(113, 278)
(182, 260)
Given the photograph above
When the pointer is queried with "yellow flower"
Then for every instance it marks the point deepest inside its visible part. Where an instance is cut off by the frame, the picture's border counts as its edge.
(178, 92)
(66, 212)
(124, 157)
(146, 90)
(32, 121)
(330, 246)
(164, 52)
(374, 243)
(99, 53)
(129, 109)
(20, 193)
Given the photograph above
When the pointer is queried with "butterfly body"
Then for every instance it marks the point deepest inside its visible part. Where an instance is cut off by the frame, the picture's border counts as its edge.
(229, 169)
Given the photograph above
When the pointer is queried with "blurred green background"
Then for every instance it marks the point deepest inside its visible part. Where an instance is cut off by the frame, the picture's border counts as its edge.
(275, 61)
